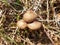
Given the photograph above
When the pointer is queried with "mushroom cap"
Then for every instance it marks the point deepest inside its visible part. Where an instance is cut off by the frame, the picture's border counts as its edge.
(29, 16)
(58, 15)
(58, 19)
(34, 26)
(21, 24)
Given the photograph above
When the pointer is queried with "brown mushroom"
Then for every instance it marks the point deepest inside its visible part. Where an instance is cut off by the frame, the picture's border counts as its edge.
(58, 16)
(34, 25)
(58, 19)
(21, 24)
(29, 16)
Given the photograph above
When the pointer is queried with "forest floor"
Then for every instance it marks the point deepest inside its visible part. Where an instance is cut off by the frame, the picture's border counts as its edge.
(12, 10)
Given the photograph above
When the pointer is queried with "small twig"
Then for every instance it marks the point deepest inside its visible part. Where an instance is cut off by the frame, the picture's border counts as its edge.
(48, 34)
(47, 10)
(56, 28)
(12, 7)
(44, 20)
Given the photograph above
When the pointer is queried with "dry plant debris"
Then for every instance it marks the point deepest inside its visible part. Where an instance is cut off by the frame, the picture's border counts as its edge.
(19, 17)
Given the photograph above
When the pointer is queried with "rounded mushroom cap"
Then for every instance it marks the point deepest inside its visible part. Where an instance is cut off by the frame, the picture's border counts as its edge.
(34, 26)
(21, 24)
(29, 16)
(58, 19)
(58, 16)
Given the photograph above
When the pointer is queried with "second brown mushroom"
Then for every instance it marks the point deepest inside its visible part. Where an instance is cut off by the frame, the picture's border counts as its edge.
(34, 25)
